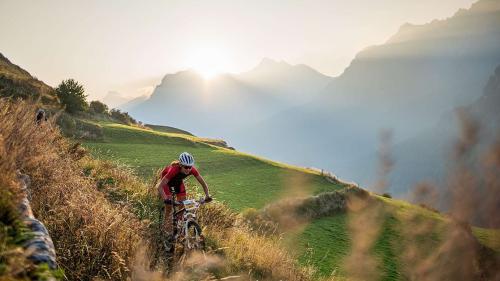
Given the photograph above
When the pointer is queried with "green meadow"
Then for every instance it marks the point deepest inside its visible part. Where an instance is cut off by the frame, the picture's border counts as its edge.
(240, 180)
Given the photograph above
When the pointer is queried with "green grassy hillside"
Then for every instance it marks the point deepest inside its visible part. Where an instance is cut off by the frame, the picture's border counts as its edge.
(244, 181)
(240, 180)
(168, 129)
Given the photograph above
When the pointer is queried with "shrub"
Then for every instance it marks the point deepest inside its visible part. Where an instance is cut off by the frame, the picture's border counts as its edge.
(122, 117)
(98, 107)
(72, 96)
(290, 213)
(387, 195)
(67, 124)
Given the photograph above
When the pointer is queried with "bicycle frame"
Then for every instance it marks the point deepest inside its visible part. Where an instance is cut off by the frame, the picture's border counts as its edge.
(188, 214)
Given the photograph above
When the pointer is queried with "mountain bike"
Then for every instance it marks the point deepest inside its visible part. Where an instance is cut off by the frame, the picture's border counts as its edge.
(187, 233)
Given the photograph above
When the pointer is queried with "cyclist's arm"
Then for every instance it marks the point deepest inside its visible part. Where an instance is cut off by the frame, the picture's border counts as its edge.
(160, 186)
(203, 184)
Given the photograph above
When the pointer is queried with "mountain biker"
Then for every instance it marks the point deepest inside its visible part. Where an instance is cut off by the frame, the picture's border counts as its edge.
(172, 177)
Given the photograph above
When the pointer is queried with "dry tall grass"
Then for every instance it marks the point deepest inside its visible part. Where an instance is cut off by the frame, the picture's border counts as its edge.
(365, 219)
(13, 264)
(473, 196)
(93, 238)
(248, 253)
(365, 223)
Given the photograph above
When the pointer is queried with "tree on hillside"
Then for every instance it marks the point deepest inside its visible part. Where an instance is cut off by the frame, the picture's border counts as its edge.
(98, 107)
(72, 95)
(122, 117)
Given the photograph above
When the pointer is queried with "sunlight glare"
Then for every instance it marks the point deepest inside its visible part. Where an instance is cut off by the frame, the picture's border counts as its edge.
(209, 62)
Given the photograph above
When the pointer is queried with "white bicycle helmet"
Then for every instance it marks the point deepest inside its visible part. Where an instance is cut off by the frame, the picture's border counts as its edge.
(186, 159)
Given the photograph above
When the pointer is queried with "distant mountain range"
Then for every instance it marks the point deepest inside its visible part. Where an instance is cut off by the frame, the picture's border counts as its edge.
(296, 114)
(230, 102)
(114, 99)
(405, 85)
(423, 70)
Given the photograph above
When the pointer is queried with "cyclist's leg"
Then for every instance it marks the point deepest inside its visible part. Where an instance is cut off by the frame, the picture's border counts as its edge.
(167, 216)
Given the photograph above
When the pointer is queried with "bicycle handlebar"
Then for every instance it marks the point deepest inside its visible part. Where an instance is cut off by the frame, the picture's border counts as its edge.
(178, 203)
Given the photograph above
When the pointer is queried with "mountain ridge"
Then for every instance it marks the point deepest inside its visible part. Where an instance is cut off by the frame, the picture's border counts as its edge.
(16, 82)
(188, 99)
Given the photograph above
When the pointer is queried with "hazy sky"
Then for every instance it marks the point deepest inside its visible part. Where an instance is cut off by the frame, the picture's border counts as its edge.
(127, 46)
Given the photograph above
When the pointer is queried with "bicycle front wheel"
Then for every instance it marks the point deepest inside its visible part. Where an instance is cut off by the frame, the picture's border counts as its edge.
(194, 240)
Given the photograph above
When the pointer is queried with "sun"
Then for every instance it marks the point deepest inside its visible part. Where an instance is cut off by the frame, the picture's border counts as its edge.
(208, 61)
(207, 70)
